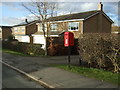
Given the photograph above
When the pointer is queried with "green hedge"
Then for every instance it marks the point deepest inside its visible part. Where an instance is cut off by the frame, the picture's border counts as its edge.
(26, 48)
(100, 50)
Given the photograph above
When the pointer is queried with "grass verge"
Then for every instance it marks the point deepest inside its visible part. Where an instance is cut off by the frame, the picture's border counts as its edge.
(92, 73)
(18, 53)
(13, 52)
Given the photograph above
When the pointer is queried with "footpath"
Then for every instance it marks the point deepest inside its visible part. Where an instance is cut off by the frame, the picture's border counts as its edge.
(40, 70)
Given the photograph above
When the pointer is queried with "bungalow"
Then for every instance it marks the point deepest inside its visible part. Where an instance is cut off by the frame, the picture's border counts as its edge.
(79, 23)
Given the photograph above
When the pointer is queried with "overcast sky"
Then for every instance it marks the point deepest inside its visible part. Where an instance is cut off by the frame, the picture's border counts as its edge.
(13, 13)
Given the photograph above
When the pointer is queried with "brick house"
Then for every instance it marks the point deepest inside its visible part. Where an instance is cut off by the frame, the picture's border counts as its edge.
(24, 30)
(79, 23)
(5, 32)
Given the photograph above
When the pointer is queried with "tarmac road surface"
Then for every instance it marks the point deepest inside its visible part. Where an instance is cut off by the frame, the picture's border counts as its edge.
(13, 79)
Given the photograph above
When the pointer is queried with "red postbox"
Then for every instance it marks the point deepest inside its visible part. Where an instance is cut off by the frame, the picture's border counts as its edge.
(68, 39)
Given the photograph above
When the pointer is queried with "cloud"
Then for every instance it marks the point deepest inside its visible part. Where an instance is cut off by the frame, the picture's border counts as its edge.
(31, 17)
(76, 7)
(111, 9)
(88, 6)
(10, 21)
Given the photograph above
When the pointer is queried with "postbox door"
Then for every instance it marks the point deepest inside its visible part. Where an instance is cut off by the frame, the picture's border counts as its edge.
(66, 40)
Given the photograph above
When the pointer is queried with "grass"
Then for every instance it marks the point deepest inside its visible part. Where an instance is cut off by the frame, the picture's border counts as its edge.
(18, 53)
(92, 73)
(13, 52)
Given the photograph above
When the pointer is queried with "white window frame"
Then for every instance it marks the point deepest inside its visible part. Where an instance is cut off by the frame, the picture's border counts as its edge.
(45, 27)
(71, 24)
(23, 29)
(15, 29)
(56, 26)
(40, 27)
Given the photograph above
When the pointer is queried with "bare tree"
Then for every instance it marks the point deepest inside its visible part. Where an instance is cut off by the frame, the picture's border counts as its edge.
(42, 10)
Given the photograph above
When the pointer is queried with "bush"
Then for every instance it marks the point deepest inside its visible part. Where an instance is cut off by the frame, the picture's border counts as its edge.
(11, 37)
(100, 50)
(55, 46)
(26, 48)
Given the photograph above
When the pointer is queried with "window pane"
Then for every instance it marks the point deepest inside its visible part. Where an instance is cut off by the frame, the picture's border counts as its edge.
(53, 27)
(73, 26)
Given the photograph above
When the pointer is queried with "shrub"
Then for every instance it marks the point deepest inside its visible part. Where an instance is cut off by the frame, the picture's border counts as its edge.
(11, 37)
(55, 46)
(100, 50)
(35, 50)
(26, 48)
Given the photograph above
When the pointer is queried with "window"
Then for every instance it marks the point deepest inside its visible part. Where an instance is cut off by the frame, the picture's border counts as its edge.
(53, 27)
(40, 27)
(45, 27)
(16, 30)
(73, 26)
(23, 29)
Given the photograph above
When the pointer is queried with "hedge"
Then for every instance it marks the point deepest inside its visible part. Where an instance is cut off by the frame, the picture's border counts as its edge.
(26, 48)
(100, 50)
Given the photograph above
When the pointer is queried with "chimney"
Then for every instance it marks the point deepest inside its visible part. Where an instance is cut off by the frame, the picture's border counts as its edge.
(26, 20)
(100, 6)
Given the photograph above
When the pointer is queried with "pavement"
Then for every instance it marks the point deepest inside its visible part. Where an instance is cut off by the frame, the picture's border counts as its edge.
(40, 69)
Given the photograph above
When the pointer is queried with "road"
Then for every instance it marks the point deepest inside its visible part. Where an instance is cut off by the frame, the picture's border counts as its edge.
(13, 79)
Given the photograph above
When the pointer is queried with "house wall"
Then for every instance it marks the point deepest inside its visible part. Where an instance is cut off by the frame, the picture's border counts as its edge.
(97, 24)
(22, 33)
(19, 30)
(91, 25)
(6, 32)
(106, 25)
(63, 26)
(31, 29)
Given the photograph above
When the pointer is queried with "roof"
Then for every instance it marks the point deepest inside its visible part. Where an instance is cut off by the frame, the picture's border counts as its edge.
(6, 26)
(81, 15)
(25, 23)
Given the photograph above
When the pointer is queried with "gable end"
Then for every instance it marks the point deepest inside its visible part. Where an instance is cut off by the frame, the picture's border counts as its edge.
(107, 17)
(91, 15)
